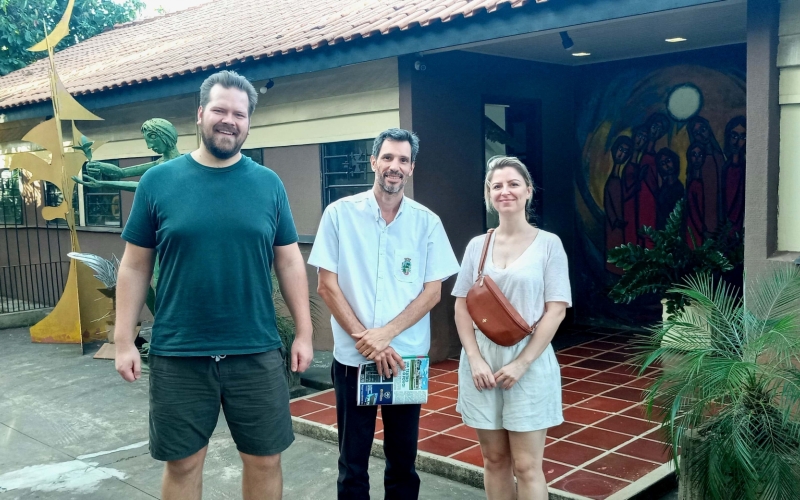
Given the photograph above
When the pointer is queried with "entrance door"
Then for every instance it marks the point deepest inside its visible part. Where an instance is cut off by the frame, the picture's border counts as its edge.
(512, 127)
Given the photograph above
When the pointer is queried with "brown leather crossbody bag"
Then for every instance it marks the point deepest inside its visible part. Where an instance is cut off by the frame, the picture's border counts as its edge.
(491, 311)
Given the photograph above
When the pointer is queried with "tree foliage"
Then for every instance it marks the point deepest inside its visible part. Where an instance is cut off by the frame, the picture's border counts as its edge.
(656, 270)
(22, 25)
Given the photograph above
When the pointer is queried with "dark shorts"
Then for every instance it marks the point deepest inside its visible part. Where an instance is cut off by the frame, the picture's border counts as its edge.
(186, 394)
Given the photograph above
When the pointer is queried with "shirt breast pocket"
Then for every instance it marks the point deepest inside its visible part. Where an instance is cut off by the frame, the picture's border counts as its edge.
(407, 266)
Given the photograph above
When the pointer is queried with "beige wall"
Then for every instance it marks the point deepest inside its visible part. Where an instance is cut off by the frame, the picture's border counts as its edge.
(353, 102)
(789, 95)
(299, 169)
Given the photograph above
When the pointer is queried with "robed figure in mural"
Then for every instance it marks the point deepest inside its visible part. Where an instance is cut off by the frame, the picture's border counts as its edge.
(657, 126)
(733, 172)
(695, 195)
(670, 190)
(700, 132)
(613, 201)
(631, 186)
(160, 136)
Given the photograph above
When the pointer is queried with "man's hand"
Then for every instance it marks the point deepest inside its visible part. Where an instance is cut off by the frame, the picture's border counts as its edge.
(302, 355)
(510, 374)
(128, 361)
(374, 341)
(389, 363)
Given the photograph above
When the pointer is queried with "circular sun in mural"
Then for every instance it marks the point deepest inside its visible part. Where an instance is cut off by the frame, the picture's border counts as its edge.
(684, 101)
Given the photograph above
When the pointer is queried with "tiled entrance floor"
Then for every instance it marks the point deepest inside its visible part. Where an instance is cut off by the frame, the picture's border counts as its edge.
(603, 446)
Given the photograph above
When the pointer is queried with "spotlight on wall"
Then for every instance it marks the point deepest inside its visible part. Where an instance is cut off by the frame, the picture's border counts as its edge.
(566, 41)
(267, 86)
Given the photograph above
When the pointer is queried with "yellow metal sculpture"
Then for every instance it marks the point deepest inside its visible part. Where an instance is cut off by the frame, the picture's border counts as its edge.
(77, 315)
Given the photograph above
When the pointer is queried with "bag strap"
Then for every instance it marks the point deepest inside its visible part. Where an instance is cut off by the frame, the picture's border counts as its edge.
(485, 250)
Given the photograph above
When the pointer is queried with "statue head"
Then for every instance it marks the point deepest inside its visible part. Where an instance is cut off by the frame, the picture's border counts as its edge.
(160, 135)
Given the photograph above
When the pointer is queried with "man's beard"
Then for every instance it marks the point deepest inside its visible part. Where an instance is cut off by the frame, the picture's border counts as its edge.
(392, 189)
(220, 148)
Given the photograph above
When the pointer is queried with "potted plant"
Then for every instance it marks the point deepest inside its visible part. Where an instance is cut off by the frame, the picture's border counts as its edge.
(657, 270)
(729, 396)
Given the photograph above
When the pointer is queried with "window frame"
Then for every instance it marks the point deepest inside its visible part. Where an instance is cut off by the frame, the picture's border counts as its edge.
(327, 188)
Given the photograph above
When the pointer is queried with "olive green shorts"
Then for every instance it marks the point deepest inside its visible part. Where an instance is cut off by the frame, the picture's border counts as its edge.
(186, 394)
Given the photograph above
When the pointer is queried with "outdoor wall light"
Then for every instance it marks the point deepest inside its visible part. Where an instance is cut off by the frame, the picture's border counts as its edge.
(582, 54)
(267, 86)
(566, 41)
(419, 66)
(675, 40)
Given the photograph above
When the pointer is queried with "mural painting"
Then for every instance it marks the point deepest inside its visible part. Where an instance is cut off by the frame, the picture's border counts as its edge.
(654, 132)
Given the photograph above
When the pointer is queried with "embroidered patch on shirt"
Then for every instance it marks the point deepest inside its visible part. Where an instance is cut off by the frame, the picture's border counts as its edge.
(406, 266)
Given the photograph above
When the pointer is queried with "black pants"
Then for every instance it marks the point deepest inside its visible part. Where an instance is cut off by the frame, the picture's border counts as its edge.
(356, 426)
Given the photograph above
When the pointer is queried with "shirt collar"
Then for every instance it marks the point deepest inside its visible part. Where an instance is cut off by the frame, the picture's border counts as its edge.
(376, 210)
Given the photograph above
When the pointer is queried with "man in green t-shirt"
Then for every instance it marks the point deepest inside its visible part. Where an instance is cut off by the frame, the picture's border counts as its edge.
(218, 222)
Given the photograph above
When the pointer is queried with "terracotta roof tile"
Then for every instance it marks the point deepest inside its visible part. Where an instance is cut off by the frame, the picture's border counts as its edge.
(223, 33)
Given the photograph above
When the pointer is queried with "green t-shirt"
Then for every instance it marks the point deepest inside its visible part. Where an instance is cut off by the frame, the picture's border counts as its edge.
(214, 230)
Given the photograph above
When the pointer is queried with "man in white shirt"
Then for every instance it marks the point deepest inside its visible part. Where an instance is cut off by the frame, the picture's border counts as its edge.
(382, 259)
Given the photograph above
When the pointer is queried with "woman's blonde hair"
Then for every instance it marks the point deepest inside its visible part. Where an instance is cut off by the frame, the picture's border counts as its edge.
(498, 162)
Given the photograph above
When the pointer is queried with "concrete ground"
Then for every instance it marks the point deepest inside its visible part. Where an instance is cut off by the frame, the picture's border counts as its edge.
(71, 428)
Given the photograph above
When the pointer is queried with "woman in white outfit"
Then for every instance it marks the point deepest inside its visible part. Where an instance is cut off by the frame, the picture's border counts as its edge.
(512, 395)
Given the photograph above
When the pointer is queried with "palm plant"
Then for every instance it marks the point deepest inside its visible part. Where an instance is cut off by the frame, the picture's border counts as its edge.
(729, 390)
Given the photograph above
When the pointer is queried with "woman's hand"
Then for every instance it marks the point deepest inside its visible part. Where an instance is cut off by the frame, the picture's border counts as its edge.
(481, 373)
(510, 374)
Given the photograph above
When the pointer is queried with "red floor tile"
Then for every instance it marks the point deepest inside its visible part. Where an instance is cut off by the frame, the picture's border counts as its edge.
(326, 417)
(471, 456)
(378, 425)
(640, 383)
(599, 438)
(626, 393)
(566, 380)
(583, 416)
(648, 450)
(625, 370)
(595, 364)
(452, 393)
(444, 445)
(616, 357)
(589, 484)
(601, 345)
(602, 403)
(581, 351)
(639, 411)
(570, 453)
(553, 470)
(576, 373)
(463, 431)
(304, 406)
(626, 425)
(447, 364)
(437, 402)
(433, 372)
(450, 410)
(586, 387)
(570, 397)
(565, 359)
(435, 387)
(379, 435)
(562, 430)
(328, 398)
(612, 378)
(448, 377)
(438, 421)
(627, 468)
(423, 433)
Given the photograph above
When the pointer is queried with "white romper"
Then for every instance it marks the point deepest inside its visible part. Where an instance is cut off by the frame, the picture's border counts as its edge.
(540, 274)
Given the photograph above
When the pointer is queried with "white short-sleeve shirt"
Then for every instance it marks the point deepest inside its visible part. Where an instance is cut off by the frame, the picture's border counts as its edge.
(381, 268)
(540, 274)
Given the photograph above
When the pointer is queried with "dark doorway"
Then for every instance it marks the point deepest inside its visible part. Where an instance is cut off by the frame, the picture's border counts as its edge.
(512, 127)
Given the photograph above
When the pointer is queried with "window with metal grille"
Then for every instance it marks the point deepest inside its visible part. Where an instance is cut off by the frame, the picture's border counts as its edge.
(101, 206)
(11, 204)
(346, 169)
